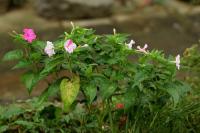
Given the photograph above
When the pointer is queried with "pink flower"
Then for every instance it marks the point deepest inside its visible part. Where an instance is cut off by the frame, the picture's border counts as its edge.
(130, 44)
(29, 35)
(143, 50)
(69, 46)
(49, 49)
(177, 61)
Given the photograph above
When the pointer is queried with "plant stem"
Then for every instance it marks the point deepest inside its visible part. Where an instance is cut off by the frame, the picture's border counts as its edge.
(127, 123)
(110, 116)
(154, 118)
(70, 66)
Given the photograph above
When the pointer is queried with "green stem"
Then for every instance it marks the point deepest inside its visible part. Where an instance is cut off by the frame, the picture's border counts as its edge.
(110, 117)
(153, 119)
(70, 65)
(27, 56)
(101, 117)
(56, 75)
(127, 123)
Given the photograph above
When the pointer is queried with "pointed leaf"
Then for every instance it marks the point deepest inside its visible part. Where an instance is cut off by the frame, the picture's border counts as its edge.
(176, 90)
(23, 123)
(50, 91)
(13, 55)
(139, 77)
(3, 128)
(30, 79)
(11, 112)
(130, 97)
(90, 92)
(22, 64)
(107, 90)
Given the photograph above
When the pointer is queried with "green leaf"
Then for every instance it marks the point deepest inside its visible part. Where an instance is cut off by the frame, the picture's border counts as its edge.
(90, 91)
(88, 71)
(30, 79)
(107, 90)
(13, 55)
(173, 92)
(139, 77)
(26, 124)
(176, 90)
(51, 64)
(22, 64)
(35, 56)
(69, 91)
(11, 112)
(130, 97)
(3, 128)
(38, 46)
(50, 91)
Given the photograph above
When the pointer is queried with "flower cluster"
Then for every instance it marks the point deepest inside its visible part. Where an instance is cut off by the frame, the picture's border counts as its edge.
(29, 35)
(145, 51)
(70, 46)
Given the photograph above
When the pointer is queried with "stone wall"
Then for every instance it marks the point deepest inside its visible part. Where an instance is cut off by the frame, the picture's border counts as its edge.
(4, 6)
(74, 9)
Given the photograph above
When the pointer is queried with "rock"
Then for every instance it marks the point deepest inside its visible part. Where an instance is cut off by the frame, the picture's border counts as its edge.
(74, 9)
(4, 6)
(17, 3)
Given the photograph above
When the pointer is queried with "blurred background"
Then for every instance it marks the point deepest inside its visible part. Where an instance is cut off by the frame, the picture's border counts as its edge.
(168, 25)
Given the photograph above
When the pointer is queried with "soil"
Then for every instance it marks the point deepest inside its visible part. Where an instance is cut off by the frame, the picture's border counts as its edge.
(156, 26)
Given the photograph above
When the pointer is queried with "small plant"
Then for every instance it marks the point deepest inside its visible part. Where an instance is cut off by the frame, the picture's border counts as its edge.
(119, 95)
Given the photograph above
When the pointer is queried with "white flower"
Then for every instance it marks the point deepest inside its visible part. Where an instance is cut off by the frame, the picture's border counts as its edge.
(49, 49)
(143, 50)
(114, 31)
(130, 44)
(177, 61)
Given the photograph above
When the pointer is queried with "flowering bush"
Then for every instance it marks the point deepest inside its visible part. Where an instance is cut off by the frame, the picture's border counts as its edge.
(118, 94)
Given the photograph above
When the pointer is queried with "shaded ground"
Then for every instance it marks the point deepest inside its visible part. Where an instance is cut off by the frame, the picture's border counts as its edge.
(167, 31)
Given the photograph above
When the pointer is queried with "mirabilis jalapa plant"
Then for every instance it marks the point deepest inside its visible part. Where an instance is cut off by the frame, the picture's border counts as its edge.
(98, 67)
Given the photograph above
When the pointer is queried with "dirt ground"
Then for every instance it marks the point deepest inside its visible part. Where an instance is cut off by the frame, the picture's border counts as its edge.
(161, 29)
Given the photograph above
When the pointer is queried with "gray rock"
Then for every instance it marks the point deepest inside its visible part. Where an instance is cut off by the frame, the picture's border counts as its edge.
(74, 9)
(4, 6)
